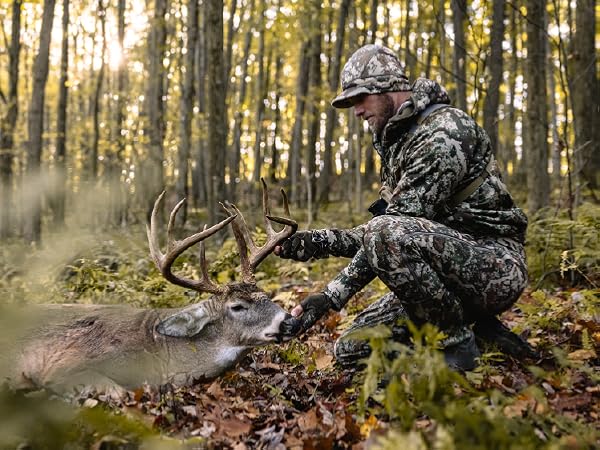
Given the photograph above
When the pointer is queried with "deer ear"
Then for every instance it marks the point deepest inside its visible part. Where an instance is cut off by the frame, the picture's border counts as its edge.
(185, 323)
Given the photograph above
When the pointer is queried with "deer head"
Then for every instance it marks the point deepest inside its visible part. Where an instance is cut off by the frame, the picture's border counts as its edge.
(240, 313)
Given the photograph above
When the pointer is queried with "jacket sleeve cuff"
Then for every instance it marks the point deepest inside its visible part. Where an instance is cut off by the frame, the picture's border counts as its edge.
(349, 281)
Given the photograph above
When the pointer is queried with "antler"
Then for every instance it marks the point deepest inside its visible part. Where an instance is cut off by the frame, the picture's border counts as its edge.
(251, 255)
(176, 248)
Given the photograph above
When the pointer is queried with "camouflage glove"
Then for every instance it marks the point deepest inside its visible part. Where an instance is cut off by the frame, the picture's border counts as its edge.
(314, 307)
(302, 246)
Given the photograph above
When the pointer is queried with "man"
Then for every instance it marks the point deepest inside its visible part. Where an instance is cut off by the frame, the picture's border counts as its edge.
(446, 239)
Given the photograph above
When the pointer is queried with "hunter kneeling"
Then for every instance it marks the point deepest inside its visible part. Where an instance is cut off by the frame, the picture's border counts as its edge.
(446, 239)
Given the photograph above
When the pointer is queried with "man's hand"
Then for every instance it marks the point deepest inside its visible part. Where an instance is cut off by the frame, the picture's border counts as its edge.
(299, 247)
(311, 309)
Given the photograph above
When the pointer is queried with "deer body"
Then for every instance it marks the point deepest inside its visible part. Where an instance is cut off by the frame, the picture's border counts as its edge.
(115, 347)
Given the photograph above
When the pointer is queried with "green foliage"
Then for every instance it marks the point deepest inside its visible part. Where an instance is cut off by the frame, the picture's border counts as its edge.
(43, 422)
(413, 386)
(563, 250)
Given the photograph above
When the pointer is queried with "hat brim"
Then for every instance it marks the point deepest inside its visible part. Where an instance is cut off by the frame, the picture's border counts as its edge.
(348, 97)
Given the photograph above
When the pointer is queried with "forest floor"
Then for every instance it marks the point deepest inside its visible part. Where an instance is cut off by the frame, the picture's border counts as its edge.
(294, 395)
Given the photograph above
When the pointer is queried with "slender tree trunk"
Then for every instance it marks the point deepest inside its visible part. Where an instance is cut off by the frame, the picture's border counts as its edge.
(234, 165)
(585, 95)
(334, 77)
(217, 131)
(556, 147)
(61, 123)
(261, 88)
(8, 123)
(459, 12)
(536, 120)
(409, 58)
(35, 125)
(373, 21)
(229, 46)
(118, 194)
(153, 181)
(185, 108)
(96, 100)
(276, 121)
(200, 173)
(492, 98)
(313, 115)
(441, 32)
(293, 172)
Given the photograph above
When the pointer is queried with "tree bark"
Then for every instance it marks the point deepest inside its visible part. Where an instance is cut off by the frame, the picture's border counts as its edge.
(153, 178)
(35, 125)
(334, 79)
(373, 21)
(234, 164)
(276, 121)
(536, 120)
(217, 117)
(313, 114)
(231, 30)
(585, 95)
(8, 123)
(293, 171)
(61, 123)
(459, 12)
(495, 64)
(261, 88)
(98, 89)
(185, 108)
(200, 173)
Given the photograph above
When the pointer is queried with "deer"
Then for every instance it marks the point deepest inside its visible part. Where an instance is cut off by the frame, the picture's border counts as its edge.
(114, 348)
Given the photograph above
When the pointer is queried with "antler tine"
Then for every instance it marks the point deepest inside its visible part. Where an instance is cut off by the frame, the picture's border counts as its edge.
(273, 238)
(244, 241)
(175, 248)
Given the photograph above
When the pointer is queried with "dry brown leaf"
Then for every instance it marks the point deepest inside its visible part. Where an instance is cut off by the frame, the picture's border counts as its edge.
(309, 420)
(582, 355)
(234, 427)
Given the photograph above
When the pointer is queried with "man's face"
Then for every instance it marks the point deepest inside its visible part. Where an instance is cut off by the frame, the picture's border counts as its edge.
(376, 109)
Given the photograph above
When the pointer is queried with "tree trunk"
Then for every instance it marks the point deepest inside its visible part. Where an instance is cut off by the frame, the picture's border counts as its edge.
(536, 120)
(118, 195)
(459, 12)
(8, 123)
(334, 77)
(35, 125)
(556, 146)
(585, 95)
(96, 100)
(231, 30)
(200, 173)
(276, 121)
(313, 115)
(409, 56)
(373, 22)
(234, 164)
(441, 32)
(217, 117)
(261, 88)
(293, 172)
(185, 108)
(492, 98)
(61, 124)
(153, 178)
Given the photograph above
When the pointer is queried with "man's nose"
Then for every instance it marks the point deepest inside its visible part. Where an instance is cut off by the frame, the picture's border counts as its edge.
(358, 111)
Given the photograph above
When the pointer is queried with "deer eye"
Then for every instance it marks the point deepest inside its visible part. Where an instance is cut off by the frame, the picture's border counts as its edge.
(238, 307)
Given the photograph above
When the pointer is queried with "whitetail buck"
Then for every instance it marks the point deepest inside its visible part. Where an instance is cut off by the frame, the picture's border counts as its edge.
(116, 347)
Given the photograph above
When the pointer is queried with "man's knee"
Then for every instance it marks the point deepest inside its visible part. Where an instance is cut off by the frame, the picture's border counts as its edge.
(388, 239)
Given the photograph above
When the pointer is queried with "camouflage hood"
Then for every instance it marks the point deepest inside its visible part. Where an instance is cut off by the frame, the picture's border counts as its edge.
(425, 92)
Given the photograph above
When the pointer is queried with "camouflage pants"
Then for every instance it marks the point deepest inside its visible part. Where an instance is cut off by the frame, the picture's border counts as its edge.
(437, 275)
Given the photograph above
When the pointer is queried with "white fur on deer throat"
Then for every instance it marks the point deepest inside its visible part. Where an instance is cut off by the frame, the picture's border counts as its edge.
(228, 356)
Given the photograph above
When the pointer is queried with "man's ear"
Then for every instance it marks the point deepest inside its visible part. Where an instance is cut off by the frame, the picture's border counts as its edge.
(185, 323)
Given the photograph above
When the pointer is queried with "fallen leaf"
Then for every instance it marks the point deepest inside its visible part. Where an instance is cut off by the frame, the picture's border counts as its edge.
(582, 355)
(323, 361)
(309, 420)
(235, 427)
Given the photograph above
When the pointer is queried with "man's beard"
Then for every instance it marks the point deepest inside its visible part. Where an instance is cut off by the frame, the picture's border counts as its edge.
(384, 112)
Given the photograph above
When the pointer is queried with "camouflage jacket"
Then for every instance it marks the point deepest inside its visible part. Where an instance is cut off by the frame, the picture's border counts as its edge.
(426, 165)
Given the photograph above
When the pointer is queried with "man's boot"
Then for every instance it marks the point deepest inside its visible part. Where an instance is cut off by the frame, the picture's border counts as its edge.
(490, 330)
(462, 356)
